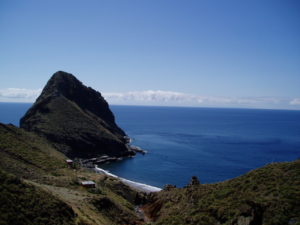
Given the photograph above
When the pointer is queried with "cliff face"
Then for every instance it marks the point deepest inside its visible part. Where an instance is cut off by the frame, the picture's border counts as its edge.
(76, 118)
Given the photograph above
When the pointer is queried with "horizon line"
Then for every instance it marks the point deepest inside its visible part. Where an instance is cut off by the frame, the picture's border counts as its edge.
(181, 106)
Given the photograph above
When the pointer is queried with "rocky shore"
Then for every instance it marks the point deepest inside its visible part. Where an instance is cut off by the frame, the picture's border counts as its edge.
(92, 162)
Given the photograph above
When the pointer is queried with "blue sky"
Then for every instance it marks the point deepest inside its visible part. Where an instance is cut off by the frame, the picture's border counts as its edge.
(156, 52)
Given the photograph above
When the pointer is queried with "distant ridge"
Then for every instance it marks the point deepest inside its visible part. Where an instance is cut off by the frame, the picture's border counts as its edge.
(76, 118)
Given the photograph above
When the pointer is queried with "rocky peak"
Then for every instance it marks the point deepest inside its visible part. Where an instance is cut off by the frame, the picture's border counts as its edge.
(76, 118)
(67, 85)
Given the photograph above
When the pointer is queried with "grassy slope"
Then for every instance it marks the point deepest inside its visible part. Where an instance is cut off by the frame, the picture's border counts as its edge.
(268, 195)
(32, 159)
(28, 156)
(22, 203)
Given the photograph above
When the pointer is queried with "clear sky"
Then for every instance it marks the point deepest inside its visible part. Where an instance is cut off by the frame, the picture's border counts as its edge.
(156, 52)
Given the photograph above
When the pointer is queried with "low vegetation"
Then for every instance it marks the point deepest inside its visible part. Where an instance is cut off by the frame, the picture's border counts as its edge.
(21, 203)
(269, 195)
(42, 172)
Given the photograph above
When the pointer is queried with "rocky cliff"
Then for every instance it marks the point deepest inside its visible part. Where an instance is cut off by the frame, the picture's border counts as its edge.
(76, 119)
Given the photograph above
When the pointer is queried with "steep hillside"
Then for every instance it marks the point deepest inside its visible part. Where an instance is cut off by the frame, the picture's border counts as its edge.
(21, 203)
(268, 195)
(41, 169)
(29, 156)
(76, 119)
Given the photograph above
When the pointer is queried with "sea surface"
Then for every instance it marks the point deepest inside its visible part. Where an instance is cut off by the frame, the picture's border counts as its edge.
(214, 144)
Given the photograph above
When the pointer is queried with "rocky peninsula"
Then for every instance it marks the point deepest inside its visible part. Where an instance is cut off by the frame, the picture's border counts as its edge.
(76, 119)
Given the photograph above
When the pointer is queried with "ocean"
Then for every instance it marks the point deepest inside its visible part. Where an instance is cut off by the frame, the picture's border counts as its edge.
(214, 144)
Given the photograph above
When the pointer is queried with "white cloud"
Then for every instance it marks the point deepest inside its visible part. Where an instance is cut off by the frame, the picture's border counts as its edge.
(177, 98)
(164, 98)
(149, 96)
(19, 94)
(295, 101)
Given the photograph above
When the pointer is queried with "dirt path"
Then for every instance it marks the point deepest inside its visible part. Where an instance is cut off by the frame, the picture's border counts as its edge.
(140, 213)
(78, 200)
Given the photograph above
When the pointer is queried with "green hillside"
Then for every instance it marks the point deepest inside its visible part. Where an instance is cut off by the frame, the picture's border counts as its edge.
(32, 162)
(21, 203)
(28, 156)
(268, 195)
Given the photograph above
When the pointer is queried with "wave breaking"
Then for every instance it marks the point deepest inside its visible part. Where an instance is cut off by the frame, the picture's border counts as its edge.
(138, 186)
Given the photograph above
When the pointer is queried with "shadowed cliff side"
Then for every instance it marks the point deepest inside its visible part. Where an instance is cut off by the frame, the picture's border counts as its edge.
(76, 118)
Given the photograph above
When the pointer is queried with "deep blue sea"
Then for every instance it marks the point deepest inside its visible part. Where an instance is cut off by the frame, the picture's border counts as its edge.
(213, 144)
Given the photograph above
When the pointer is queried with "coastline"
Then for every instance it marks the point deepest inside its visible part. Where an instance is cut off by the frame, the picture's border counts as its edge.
(135, 185)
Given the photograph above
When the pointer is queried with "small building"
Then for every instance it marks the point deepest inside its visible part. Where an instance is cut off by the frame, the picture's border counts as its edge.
(69, 161)
(88, 184)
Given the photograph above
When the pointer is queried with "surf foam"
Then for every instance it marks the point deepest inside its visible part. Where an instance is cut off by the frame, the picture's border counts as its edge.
(139, 186)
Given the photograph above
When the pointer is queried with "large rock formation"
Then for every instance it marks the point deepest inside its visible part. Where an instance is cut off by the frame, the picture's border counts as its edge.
(76, 118)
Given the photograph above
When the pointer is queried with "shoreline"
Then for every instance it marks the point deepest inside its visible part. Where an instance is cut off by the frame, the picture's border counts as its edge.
(135, 185)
